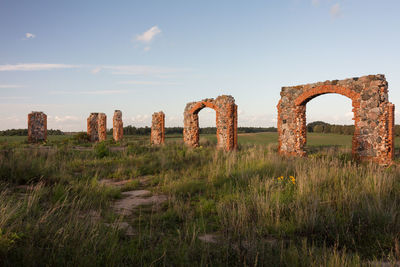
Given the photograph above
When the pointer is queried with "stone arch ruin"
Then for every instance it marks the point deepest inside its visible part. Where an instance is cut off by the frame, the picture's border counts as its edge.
(373, 137)
(226, 121)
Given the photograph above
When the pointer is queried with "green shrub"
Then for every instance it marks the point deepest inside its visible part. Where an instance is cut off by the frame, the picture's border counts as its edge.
(81, 137)
(101, 150)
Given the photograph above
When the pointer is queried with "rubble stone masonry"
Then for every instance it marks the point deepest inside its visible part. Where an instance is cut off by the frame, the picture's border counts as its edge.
(118, 126)
(158, 128)
(37, 127)
(373, 137)
(102, 127)
(226, 121)
(92, 127)
(97, 127)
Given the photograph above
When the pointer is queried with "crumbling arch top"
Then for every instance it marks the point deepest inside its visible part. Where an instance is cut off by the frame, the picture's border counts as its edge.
(308, 95)
(203, 104)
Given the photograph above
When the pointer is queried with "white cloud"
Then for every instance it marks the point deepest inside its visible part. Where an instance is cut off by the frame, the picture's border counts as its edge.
(29, 35)
(147, 48)
(257, 120)
(66, 122)
(336, 11)
(9, 86)
(66, 118)
(35, 66)
(147, 83)
(148, 35)
(349, 114)
(141, 120)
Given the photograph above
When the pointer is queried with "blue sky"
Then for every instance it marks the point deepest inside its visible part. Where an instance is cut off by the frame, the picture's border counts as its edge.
(70, 58)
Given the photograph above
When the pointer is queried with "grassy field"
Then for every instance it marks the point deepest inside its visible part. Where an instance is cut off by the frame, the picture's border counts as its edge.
(245, 208)
(254, 138)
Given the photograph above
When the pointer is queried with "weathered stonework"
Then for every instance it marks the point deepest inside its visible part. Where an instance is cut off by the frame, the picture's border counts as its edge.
(226, 121)
(102, 127)
(118, 126)
(373, 137)
(92, 127)
(158, 128)
(37, 127)
(97, 127)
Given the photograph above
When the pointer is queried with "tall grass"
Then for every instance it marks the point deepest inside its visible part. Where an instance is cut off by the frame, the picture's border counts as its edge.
(263, 210)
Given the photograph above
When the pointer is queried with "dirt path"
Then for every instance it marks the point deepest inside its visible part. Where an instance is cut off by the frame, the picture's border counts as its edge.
(131, 201)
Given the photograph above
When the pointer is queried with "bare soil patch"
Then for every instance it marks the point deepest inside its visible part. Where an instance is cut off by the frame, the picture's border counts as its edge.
(133, 199)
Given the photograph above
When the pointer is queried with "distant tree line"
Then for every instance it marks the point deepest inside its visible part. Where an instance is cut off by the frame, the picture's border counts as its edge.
(323, 127)
(313, 127)
(24, 132)
(132, 130)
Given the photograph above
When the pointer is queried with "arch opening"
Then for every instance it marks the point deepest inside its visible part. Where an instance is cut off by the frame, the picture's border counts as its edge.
(208, 125)
(329, 124)
(373, 116)
(226, 121)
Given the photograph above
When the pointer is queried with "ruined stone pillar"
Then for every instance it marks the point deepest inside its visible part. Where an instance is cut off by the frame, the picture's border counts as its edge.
(226, 122)
(235, 126)
(118, 126)
(391, 131)
(158, 128)
(301, 129)
(92, 127)
(191, 130)
(37, 127)
(102, 127)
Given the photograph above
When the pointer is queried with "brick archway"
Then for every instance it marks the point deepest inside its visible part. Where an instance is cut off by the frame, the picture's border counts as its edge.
(373, 137)
(226, 121)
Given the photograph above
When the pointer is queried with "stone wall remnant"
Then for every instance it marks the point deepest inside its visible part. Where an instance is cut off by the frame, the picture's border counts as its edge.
(118, 126)
(97, 127)
(37, 127)
(102, 127)
(373, 137)
(158, 128)
(226, 121)
(92, 127)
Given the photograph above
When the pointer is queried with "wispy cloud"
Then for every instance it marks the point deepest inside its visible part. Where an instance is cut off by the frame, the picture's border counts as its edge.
(148, 35)
(10, 86)
(139, 70)
(35, 67)
(14, 97)
(336, 11)
(147, 83)
(97, 92)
